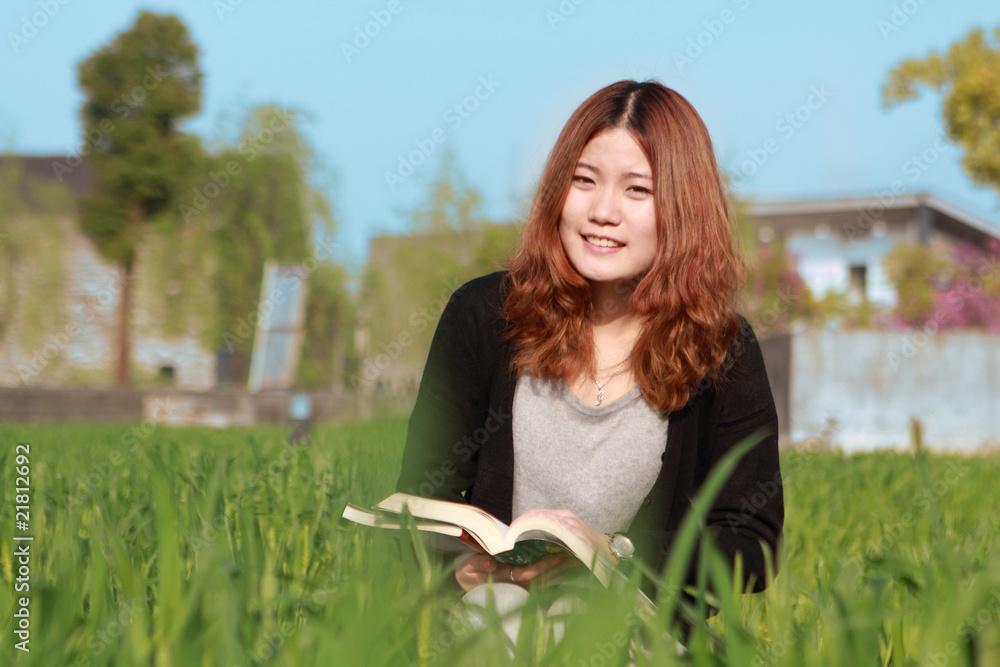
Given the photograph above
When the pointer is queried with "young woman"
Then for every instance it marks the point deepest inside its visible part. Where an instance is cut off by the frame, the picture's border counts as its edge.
(601, 376)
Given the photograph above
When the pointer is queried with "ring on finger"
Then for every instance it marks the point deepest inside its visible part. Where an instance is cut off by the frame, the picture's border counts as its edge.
(512, 580)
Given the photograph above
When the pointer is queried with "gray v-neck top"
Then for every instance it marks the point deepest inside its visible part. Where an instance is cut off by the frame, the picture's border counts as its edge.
(598, 461)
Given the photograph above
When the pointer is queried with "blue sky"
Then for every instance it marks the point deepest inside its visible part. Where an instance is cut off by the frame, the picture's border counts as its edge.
(744, 64)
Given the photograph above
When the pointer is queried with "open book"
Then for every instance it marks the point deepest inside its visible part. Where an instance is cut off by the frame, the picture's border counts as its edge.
(465, 526)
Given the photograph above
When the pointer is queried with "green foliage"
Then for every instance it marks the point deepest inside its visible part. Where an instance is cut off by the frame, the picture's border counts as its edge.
(329, 324)
(175, 268)
(265, 207)
(137, 90)
(32, 247)
(775, 295)
(450, 203)
(947, 287)
(408, 279)
(157, 545)
(968, 76)
(496, 244)
(913, 269)
(845, 311)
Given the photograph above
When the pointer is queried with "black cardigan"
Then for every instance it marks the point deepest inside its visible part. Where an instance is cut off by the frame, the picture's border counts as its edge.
(459, 442)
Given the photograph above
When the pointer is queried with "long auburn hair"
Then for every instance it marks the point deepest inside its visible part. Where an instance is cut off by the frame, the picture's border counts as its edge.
(686, 300)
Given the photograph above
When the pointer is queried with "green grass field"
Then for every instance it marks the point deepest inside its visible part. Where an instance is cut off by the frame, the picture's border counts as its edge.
(169, 546)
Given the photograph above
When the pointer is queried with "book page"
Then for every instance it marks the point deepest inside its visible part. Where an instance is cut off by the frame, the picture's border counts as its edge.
(488, 529)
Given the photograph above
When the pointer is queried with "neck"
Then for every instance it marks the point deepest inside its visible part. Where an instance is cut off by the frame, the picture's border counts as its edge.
(610, 305)
(615, 326)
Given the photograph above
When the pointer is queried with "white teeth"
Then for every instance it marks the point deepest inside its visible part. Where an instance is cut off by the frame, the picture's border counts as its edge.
(604, 243)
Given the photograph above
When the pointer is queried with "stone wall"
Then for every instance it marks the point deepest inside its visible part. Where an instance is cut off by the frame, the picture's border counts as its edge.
(82, 350)
(861, 390)
(180, 408)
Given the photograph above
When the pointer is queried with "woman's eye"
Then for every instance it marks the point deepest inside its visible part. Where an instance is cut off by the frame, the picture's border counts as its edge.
(645, 191)
(582, 179)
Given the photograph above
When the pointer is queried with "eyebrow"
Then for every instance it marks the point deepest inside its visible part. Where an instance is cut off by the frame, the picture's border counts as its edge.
(627, 174)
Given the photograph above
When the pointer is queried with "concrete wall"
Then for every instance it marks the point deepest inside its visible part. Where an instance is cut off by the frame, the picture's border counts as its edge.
(861, 389)
(172, 407)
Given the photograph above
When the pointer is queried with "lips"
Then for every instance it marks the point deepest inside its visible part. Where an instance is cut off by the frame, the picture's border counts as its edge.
(602, 242)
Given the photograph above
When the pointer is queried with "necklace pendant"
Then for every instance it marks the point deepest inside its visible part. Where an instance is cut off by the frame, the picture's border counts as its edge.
(600, 397)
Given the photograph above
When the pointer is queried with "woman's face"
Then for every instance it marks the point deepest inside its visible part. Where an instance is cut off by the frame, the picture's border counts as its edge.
(608, 223)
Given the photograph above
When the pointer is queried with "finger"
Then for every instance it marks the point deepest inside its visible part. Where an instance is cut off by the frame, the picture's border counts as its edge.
(548, 563)
(529, 572)
(560, 568)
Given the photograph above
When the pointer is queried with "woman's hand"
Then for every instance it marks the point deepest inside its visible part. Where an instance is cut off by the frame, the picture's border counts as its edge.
(594, 538)
(478, 569)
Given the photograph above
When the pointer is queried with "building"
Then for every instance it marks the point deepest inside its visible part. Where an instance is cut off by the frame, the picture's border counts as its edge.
(75, 343)
(873, 389)
(839, 243)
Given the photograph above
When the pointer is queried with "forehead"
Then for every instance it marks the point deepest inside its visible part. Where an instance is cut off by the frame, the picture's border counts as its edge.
(615, 148)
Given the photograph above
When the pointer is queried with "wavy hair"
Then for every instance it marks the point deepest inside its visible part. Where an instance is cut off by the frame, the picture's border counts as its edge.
(686, 300)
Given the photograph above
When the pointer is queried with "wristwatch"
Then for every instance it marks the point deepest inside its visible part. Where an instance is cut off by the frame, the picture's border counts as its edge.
(621, 546)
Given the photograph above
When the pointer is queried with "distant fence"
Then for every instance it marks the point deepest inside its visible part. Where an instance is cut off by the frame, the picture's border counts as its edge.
(214, 408)
(861, 390)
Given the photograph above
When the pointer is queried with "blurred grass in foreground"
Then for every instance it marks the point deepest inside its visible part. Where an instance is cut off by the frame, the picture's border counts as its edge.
(189, 546)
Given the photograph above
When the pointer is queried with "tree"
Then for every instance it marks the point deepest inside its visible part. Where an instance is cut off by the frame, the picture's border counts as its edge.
(943, 289)
(329, 323)
(775, 295)
(263, 206)
(450, 204)
(408, 279)
(968, 76)
(137, 90)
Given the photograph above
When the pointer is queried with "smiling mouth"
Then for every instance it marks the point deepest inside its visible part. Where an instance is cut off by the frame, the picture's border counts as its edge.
(603, 243)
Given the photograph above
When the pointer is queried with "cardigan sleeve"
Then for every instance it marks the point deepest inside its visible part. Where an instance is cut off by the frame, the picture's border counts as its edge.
(440, 457)
(749, 510)
(747, 516)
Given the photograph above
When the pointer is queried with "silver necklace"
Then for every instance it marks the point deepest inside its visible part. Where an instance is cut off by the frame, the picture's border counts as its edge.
(601, 386)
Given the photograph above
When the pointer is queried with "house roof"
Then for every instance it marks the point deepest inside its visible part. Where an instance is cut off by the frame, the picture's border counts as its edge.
(799, 207)
(70, 170)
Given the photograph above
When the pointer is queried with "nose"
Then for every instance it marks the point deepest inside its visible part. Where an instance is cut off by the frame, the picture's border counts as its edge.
(606, 207)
